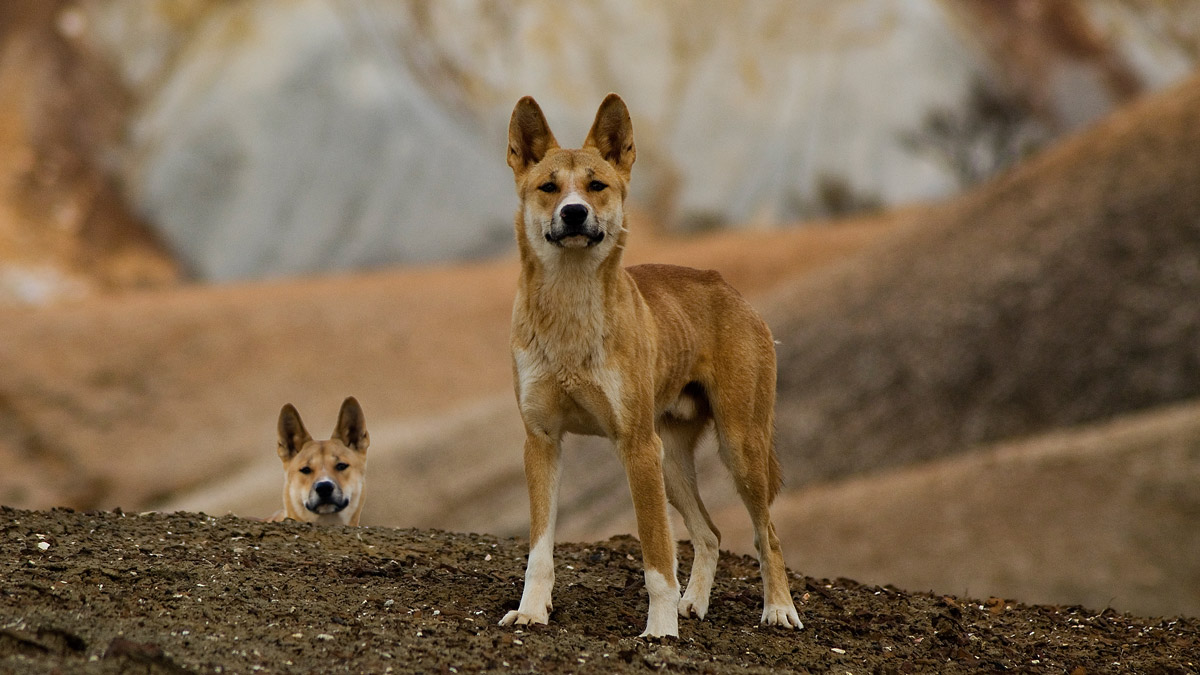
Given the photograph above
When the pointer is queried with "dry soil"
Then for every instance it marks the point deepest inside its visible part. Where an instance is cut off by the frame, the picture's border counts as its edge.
(107, 592)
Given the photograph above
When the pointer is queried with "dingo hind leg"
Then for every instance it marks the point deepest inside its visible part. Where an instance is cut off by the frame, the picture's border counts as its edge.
(743, 400)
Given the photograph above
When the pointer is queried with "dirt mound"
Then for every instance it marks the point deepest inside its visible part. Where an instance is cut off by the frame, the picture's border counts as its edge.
(183, 593)
(1061, 293)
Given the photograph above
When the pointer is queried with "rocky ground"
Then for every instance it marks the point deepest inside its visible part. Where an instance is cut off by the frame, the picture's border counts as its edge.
(107, 592)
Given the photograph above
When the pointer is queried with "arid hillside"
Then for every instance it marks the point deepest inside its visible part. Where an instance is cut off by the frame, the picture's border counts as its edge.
(1060, 293)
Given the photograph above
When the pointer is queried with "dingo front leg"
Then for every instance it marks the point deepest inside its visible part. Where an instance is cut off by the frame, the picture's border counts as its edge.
(541, 476)
(643, 467)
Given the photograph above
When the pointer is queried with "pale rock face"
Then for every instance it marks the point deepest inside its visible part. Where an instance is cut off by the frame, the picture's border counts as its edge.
(277, 143)
(284, 137)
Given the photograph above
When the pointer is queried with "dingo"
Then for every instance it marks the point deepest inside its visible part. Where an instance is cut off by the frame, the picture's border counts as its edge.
(646, 356)
(323, 480)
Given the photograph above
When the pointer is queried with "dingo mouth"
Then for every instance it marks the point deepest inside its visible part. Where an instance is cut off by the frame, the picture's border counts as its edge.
(325, 508)
(576, 239)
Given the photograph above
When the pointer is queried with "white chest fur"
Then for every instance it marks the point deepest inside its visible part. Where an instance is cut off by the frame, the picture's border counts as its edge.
(577, 398)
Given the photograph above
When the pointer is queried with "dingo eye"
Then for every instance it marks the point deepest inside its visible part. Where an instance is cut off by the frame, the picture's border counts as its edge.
(306, 470)
(548, 186)
(596, 186)
(342, 466)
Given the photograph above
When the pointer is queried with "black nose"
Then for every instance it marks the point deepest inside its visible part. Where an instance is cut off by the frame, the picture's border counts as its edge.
(324, 489)
(573, 216)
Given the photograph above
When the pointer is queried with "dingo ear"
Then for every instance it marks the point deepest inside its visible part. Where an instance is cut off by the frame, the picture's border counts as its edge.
(352, 426)
(612, 135)
(529, 136)
(292, 434)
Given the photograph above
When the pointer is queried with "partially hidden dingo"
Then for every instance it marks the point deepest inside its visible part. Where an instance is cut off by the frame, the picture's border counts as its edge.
(649, 356)
(323, 480)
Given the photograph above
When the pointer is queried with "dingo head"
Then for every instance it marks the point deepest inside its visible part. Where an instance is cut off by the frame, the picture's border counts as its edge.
(323, 480)
(571, 200)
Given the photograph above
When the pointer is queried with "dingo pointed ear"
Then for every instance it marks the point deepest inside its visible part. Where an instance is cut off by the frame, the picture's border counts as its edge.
(352, 426)
(612, 135)
(292, 434)
(529, 136)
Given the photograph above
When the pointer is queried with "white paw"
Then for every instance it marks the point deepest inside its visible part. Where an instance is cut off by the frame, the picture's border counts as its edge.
(690, 606)
(781, 615)
(661, 629)
(663, 618)
(519, 618)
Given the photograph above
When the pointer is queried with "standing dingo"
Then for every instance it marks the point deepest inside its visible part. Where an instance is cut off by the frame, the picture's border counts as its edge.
(646, 356)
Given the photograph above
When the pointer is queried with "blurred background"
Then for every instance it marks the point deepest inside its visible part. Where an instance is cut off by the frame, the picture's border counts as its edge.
(974, 227)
